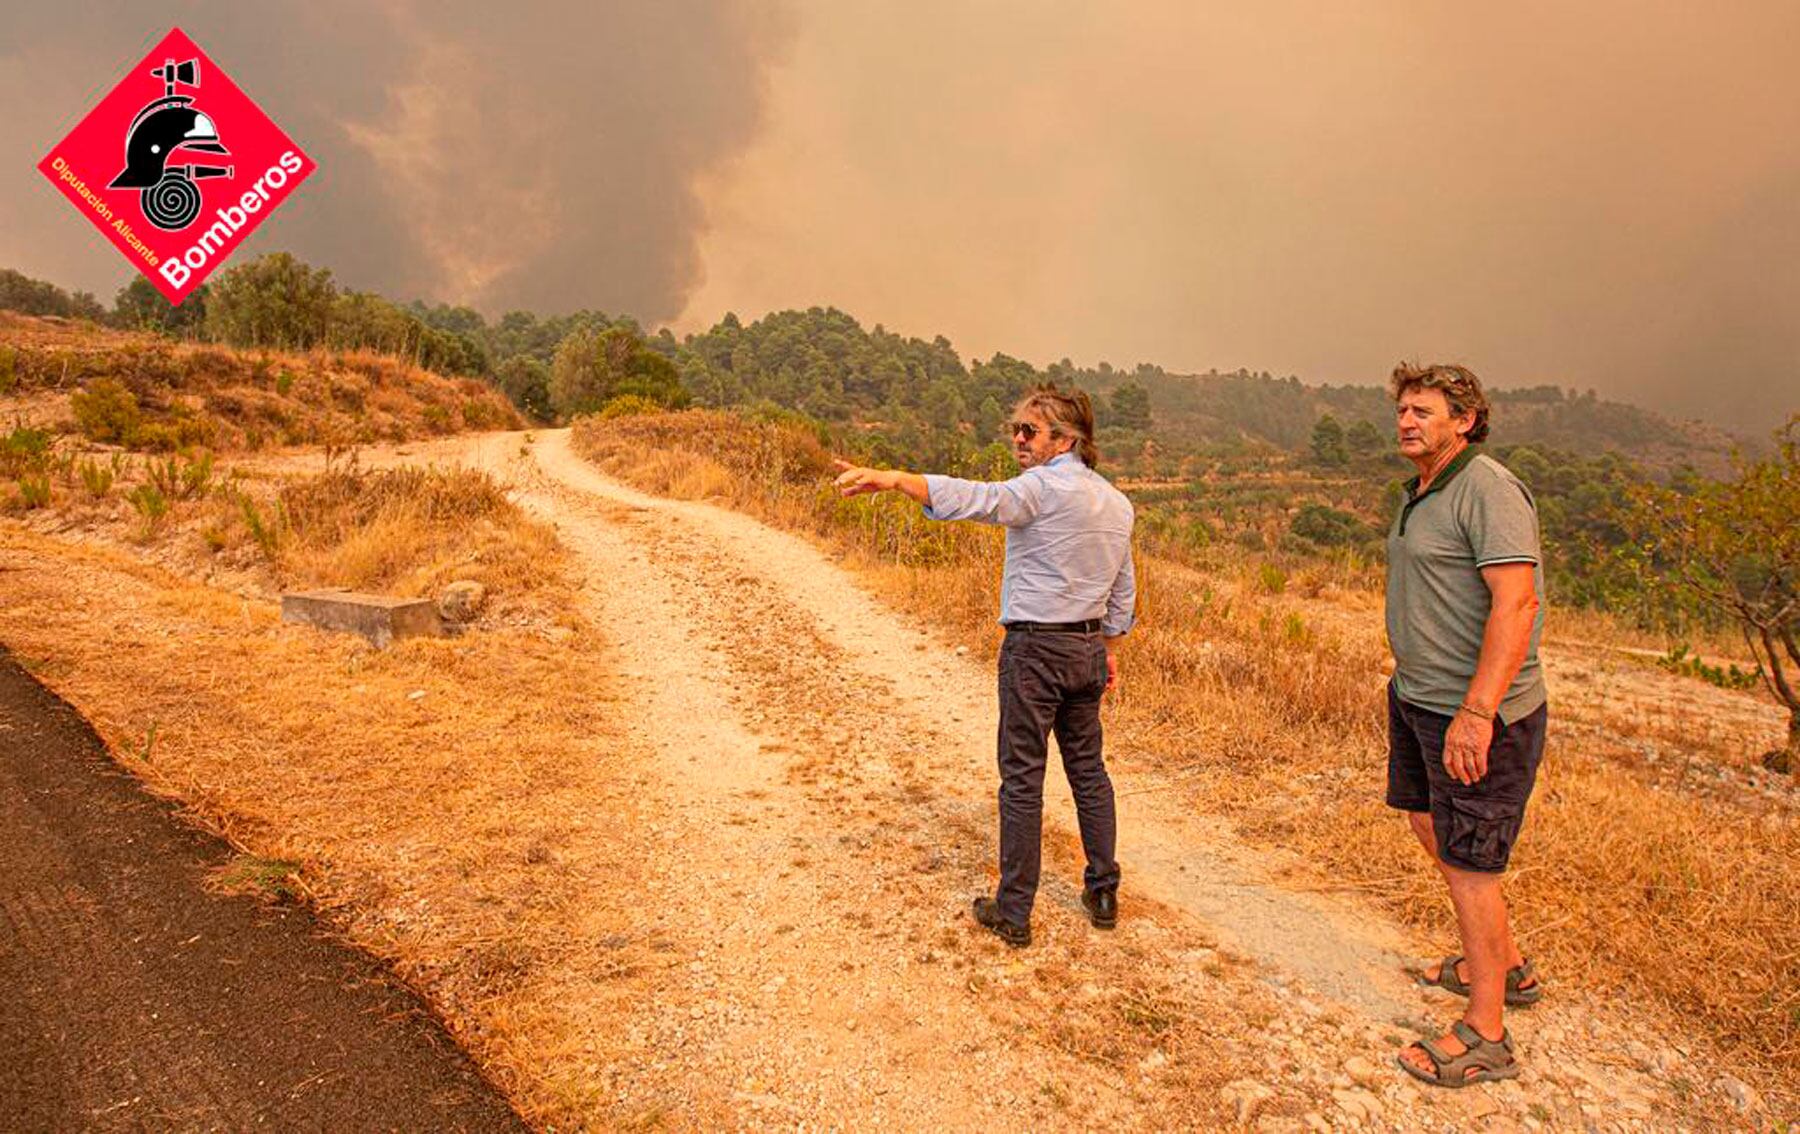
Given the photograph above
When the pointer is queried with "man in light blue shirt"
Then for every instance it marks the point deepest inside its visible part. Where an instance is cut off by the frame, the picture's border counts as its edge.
(1068, 594)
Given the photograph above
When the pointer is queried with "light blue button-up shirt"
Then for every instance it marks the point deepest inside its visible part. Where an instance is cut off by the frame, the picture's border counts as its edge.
(1068, 541)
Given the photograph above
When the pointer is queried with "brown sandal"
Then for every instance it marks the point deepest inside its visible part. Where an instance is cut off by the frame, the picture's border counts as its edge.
(1518, 993)
(1486, 1060)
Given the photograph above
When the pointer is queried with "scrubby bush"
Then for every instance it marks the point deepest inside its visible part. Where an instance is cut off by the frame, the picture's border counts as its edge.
(24, 450)
(98, 478)
(107, 412)
(181, 477)
(34, 490)
(629, 405)
(1327, 526)
(150, 504)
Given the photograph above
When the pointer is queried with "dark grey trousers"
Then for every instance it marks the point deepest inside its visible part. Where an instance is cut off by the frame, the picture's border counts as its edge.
(1051, 681)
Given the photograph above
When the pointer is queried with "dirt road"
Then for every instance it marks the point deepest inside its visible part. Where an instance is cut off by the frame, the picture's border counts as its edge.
(133, 999)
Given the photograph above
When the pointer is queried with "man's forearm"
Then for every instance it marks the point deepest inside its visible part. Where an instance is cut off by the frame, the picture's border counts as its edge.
(913, 485)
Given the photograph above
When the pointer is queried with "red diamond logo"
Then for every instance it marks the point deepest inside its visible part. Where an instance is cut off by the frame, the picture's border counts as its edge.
(176, 166)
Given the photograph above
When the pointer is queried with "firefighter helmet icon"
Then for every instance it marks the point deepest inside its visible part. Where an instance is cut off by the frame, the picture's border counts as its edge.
(168, 126)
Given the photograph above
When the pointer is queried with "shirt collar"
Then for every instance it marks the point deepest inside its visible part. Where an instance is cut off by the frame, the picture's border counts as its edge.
(1062, 457)
(1413, 495)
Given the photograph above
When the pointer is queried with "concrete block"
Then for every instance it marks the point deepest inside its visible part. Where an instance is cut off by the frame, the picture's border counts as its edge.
(379, 618)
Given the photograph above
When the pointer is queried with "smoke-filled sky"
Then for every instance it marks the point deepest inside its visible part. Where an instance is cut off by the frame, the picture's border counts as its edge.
(1599, 195)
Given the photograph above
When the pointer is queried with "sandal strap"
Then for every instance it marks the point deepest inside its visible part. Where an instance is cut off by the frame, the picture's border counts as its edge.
(1436, 1054)
(1479, 1044)
(1518, 976)
(1447, 975)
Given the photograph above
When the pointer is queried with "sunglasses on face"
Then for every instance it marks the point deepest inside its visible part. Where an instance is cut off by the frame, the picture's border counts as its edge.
(1024, 429)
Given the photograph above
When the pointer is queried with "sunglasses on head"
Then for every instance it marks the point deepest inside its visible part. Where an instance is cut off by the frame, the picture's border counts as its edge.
(1025, 429)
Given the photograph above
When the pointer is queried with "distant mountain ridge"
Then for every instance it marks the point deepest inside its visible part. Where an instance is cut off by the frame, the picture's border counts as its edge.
(921, 394)
(1214, 407)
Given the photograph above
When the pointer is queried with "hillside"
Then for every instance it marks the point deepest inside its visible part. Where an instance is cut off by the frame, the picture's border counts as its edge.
(145, 391)
(912, 396)
(1192, 410)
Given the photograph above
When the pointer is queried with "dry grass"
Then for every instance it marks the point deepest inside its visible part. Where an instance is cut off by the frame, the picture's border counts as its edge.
(1267, 708)
(407, 531)
(402, 531)
(465, 808)
(231, 400)
(458, 807)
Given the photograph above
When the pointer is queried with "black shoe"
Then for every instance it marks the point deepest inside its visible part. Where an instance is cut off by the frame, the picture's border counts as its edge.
(987, 912)
(1102, 907)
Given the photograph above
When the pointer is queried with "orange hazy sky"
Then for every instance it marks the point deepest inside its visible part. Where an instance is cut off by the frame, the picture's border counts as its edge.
(1603, 194)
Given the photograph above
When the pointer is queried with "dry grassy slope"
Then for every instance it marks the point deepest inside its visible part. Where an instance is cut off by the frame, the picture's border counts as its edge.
(232, 400)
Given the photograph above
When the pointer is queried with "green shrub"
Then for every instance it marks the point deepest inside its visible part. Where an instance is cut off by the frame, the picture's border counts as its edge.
(184, 429)
(151, 504)
(97, 478)
(107, 412)
(9, 372)
(266, 532)
(34, 491)
(1271, 578)
(1680, 660)
(629, 405)
(180, 478)
(24, 450)
(1326, 526)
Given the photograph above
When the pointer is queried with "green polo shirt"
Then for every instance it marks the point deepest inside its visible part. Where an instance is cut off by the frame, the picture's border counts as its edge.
(1474, 515)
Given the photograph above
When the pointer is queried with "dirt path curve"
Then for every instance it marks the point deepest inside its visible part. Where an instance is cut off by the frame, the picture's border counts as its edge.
(902, 674)
(132, 999)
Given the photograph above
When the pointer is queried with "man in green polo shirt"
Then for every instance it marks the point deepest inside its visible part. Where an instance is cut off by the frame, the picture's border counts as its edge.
(1466, 709)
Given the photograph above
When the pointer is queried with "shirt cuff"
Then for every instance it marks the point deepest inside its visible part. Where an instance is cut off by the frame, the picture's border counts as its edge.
(941, 492)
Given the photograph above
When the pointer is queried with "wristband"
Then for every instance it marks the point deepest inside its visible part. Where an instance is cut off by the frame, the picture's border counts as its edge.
(1474, 712)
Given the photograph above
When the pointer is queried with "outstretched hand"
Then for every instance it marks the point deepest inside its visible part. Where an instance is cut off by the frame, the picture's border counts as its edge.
(855, 480)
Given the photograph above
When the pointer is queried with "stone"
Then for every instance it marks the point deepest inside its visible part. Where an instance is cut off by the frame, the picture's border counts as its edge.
(461, 601)
(1245, 1095)
(1279, 1124)
(1364, 1072)
(1358, 1104)
(1316, 1123)
(381, 619)
(1741, 1094)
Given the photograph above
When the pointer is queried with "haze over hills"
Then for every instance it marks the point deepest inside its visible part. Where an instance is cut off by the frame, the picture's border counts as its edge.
(1217, 408)
(1599, 195)
(824, 363)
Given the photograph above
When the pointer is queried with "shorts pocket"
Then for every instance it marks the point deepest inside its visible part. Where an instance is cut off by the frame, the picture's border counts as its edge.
(1478, 834)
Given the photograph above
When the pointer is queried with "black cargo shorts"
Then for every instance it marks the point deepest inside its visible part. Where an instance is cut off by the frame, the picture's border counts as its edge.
(1476, 824)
